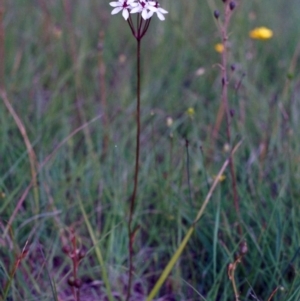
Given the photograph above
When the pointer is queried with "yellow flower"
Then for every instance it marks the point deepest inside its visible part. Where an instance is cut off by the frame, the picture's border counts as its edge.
(220, 179)
(219, 47)
(261, 33)
(190, 112)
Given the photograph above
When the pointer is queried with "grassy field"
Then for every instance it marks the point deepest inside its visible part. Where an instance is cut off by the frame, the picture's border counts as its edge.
(70, 93)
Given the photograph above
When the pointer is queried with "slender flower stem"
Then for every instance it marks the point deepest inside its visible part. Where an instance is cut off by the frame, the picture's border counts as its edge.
(227, 112)
(145, 11)
(131, 25)
(136, 172)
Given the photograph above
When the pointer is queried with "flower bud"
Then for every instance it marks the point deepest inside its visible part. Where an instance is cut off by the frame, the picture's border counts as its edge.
(66, 249)
(232, 5)
(216, 14)
(81, 254)
(77, 283)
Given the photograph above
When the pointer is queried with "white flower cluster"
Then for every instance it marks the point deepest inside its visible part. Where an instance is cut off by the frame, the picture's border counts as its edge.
(144, 7)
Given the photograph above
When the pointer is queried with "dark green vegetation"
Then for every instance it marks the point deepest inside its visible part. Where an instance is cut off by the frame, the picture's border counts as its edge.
(53, 83)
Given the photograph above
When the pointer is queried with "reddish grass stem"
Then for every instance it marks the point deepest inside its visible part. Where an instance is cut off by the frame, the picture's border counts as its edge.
(12, 273)
(224, 33)
(131, 231)
(232, 267)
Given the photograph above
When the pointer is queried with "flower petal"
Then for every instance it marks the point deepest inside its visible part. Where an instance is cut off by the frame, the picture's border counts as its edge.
(114, 4)
(116, 10)
(145, 14)
(150, 14)
(163, 11)
(160, 16)
(125, 13)
(135, 10)
(152, 8)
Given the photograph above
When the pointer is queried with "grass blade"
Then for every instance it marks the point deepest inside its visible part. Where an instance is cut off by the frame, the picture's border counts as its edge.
(97, 250)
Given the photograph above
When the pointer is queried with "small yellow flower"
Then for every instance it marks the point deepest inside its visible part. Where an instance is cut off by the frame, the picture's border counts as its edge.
(219, 47)
(261, 33)
(190, 112)
(221, 178)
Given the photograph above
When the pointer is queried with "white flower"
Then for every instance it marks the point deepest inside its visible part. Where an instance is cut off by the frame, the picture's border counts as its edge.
(156, 9)
(143, 8)
(124, 5)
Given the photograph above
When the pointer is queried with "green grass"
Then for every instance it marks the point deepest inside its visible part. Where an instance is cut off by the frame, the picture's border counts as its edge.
(42, 87)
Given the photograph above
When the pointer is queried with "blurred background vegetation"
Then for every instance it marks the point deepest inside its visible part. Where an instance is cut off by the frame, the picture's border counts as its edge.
(69, 62)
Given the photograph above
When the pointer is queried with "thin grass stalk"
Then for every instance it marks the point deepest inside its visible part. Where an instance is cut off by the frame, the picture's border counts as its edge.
(2, 52)
(243, 249)
(232, 267)
(188, 171)
(46, 20)
(31, 154)
(51, 281)
(219, 119)
(102, 71)
(13, 271)
(72, 42)
(75, 263)
(136, 170)
(215, 238)
(273, 293)
(97, 250)
(291, 75)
